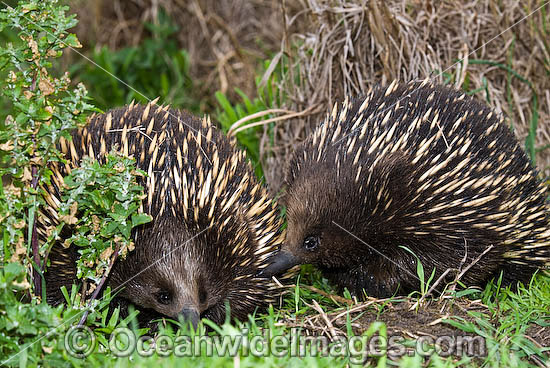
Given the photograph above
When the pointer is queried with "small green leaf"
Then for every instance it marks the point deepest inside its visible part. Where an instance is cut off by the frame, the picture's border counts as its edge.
(72, 41)
(140, 218)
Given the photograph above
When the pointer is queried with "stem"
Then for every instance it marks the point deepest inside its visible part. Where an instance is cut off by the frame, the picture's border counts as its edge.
(99, 287)
(34, 238)
(34, 243)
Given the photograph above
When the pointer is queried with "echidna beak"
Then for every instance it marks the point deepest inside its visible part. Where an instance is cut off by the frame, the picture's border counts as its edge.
(190, 314)
(278, 263)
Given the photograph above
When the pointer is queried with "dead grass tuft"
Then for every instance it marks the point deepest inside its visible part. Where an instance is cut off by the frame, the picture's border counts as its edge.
(224, 38)
(339, 48)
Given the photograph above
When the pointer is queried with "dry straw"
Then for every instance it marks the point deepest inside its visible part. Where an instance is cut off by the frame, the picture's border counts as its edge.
(334, 48)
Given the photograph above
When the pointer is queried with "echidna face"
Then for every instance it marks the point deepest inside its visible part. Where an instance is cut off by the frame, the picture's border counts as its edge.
(168, 274)
(312, 234)
(174, 288)
(192, 275)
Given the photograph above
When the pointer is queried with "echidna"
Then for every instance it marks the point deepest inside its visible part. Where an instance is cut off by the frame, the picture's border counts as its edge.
(213, 224)
(413, 169)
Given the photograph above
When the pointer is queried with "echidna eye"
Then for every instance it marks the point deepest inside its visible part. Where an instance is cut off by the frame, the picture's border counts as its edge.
(164, 297)
(311, 243)
(202, 295)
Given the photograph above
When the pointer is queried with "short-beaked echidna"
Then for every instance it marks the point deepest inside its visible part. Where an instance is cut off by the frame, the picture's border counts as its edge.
(213, 224)
(416, 166)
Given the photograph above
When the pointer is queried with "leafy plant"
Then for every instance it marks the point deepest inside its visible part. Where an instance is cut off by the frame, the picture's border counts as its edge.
(22, 323)
(157, 67)
(45, 108)
(107, 199)
(268, 97)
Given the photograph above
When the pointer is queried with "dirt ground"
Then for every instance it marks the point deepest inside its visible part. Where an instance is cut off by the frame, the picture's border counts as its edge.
(407, 326)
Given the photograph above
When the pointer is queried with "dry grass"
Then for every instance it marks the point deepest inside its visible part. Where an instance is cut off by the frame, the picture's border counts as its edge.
(339, 48)
(224, 39)
(334, 48)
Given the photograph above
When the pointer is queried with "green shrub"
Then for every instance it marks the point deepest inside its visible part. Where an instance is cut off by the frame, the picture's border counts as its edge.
(45, 108)
(156, 67)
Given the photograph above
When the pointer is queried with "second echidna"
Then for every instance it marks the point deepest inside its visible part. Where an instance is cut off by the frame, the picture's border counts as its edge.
(413, 170)
(213, 224)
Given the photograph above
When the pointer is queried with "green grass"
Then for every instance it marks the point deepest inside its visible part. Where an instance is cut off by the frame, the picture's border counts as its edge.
(229, 113)
(503, 324)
